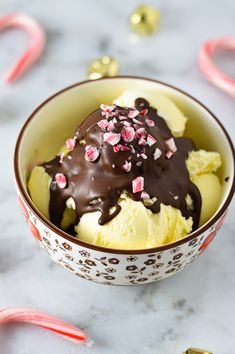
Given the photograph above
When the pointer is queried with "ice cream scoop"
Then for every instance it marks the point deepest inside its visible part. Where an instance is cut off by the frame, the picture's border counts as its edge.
(166, 109)
(124, 178)
(135, 227)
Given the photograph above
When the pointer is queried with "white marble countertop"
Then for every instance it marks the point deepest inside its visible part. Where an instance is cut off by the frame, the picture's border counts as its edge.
(195, 307)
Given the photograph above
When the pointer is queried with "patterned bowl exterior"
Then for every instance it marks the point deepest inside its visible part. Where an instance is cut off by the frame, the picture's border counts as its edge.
(114, 268)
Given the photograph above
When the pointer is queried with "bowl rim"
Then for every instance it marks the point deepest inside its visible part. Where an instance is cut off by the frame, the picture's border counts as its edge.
(81, 243)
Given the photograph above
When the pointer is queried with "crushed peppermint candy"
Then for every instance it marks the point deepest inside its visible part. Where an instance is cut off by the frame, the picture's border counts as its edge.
(142, 142)
(138, 184)
(169, 154)
(132, 149)
(128, 134)
(127, 166)
(139, 163)
(61, 180)
(111, 126)
(92, 153)
(106, 115)
(137, 121)
(112, 138)
(124, 148)
(157, 154)
(140, 130)
(144, 111)
(106, 108)
(127, 124)
(149, 122)
(103, 123)
(171, 145)
(116, 148)
(144, 195)
(144, 156)
(121, 147)
(151, 140)
(134, 113)
(70, 144)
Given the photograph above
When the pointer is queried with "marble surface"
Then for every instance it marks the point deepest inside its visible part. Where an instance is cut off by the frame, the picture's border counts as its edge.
(195, 307)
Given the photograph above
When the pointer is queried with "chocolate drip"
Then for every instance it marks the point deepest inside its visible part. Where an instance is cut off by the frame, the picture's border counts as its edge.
(97, 185)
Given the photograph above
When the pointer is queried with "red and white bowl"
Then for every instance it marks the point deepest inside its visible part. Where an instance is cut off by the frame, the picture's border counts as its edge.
(45, 132)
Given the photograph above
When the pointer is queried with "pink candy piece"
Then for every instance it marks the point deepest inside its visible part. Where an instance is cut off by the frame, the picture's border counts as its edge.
(210, 70)
(103, 123)
(140, 131)
(144, 111)
(151, 140)
(60, 180)
(70, 144)
(110, 126)
(149, 122)
(116, 148)
(106, 108)
(61, 328)
(138, 184)
(144, 156)
(127, 124)
(112, 138)
(128, 134)
(92, 153)
(157, 154)
(37, 43)
(169, 154)
(142, 141)
(137, 121)
(144, 195)
(171, 144)
(127, 166)
(124, 148)
(133, 114)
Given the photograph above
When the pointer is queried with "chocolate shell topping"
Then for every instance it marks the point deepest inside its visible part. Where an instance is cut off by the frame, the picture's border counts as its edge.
(122, 150)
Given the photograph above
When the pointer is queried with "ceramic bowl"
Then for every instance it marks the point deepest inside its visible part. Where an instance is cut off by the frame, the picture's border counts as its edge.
(45, 132)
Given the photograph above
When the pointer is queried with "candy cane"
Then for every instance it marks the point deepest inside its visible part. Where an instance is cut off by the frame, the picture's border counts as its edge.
(36, 46)
(39, 319)
(210, 70)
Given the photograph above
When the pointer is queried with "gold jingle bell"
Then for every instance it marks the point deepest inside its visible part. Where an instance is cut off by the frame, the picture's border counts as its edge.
(196, 351)
(105, 66)
(145, 20)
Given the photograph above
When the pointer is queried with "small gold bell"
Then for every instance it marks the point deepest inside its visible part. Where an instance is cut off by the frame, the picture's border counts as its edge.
(145, 20)
(196, 351)
(105, 66)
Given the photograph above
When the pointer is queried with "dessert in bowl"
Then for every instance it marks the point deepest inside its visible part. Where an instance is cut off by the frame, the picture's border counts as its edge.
(140, 188)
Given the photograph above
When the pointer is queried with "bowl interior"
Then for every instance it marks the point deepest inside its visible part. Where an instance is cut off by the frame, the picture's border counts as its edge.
(56, 120)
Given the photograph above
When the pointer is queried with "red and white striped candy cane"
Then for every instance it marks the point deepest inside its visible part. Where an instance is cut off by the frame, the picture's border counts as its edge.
(72, 333)
(36, 46)
(210, 70)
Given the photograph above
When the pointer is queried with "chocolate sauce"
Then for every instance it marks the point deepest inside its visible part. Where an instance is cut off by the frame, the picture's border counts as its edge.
(97, 185)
